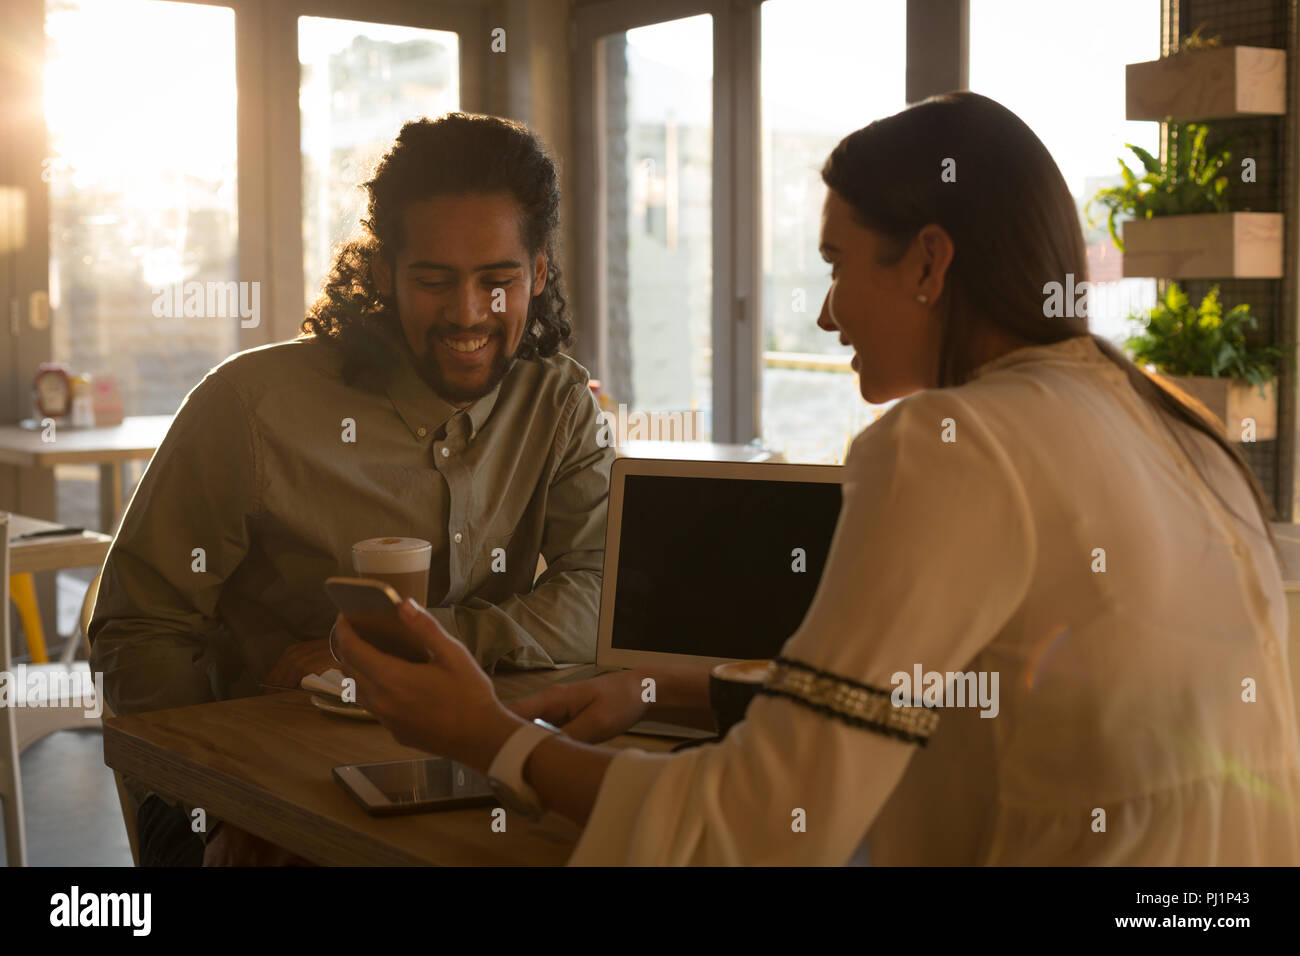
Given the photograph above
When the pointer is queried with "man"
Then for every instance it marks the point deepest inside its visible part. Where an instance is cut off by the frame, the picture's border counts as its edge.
(426, 398)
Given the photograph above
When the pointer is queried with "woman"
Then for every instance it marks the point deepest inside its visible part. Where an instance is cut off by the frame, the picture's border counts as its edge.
(1036, 509)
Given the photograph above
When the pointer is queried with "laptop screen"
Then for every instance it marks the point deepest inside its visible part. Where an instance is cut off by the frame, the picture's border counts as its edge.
(718, 567)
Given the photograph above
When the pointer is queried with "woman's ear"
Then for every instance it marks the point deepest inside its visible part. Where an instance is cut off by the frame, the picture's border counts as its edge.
(936, 251)
(382, 275)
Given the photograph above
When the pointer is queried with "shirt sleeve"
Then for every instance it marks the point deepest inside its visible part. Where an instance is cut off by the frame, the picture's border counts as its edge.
(155, 632)
(933, 552)
(556, 621)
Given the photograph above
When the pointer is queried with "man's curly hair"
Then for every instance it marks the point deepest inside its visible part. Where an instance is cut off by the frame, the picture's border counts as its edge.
(456, 154)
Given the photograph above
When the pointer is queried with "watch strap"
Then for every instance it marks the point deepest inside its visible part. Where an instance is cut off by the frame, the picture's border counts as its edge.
(507, 767)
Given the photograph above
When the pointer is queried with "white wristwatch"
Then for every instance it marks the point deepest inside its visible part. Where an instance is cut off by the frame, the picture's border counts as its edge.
(506, 775)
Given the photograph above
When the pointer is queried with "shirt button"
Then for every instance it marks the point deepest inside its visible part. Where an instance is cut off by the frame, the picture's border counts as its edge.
(446, 452)
(422, 431)
(457, 537)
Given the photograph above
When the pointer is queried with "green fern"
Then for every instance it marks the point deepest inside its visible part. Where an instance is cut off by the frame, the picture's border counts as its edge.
(1192, 181)
(1180, 340)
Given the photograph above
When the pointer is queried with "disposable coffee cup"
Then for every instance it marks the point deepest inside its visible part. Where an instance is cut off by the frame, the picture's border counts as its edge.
(401, 563)
(731, 688)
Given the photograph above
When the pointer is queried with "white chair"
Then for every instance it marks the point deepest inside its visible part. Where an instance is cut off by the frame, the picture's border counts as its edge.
(44, 698)
(36, 722)
(11, 785)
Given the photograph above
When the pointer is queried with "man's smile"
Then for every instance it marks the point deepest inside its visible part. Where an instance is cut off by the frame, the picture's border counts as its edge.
(463, 351)
(467, 345)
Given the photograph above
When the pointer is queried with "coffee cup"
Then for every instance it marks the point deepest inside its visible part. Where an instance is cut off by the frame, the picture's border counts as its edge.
(401, 563)
(731, 687)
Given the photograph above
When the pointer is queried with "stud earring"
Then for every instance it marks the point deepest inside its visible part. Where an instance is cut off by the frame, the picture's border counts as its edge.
(922, 298)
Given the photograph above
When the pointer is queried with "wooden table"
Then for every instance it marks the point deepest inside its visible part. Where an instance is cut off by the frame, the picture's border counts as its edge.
(136, 439)
(87, 549)
(265, 764)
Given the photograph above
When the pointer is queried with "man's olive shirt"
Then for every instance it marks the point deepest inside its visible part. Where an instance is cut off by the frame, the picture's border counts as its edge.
(274, 467)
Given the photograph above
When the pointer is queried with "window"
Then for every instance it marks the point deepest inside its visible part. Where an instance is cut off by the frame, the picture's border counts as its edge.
(705, 224)
(1060, 68)
(360, 83)
(811, 407)
(658, 277)
(142, 189)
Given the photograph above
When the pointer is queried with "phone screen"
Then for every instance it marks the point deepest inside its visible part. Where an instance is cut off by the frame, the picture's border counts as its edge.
(407, 785)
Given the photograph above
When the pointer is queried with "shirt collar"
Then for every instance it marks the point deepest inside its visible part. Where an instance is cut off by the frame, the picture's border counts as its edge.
(420, 407)
(1077, 348)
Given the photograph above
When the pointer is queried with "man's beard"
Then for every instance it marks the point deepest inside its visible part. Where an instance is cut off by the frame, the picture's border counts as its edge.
(430, 370)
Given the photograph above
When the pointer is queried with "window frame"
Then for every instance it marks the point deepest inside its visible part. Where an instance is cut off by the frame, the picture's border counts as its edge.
(735, 200)
(936, 62)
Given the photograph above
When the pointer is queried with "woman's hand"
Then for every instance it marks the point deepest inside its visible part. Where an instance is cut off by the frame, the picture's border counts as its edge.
(446, 706)
(590, 710)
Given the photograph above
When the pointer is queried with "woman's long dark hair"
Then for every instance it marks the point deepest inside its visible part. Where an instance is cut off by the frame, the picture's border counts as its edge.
(456, 154)
(1014, 228)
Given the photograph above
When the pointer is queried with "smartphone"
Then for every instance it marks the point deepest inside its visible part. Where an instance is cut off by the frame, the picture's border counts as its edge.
(414, 786)
(371, 607)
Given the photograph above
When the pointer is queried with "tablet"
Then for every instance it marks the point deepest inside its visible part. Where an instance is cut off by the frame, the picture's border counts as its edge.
(414, 786)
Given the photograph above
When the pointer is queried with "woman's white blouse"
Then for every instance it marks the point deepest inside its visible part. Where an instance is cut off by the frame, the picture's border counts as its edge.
(1038, 523)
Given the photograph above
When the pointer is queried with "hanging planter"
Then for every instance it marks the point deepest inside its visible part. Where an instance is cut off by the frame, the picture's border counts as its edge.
(1246, 415)
(1178, 222)
(1227, 245)
(1204, 351)
(1214, 83)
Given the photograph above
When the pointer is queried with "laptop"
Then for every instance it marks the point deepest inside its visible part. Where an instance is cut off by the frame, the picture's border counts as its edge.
(708, 562)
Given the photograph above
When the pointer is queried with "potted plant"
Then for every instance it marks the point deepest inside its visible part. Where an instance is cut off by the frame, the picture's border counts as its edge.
(1203, 352)
(1181, 227)
(1205, 80)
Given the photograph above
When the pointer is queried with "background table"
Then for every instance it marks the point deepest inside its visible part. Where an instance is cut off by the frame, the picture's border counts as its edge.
(265, 764)
(50, 553)
(53, 553)
(136, 439)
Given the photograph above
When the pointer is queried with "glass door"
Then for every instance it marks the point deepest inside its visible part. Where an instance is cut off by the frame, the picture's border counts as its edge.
(656, 138)
(816, 89)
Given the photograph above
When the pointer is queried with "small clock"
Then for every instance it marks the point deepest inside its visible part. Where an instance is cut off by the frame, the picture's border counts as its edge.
(52, 390)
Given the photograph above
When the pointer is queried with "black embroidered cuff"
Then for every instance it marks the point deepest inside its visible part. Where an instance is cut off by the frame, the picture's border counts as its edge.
(848, 701)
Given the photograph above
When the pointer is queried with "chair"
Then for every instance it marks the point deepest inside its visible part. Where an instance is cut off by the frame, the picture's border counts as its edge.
(123, 797)
(37, 722)
(22, 591)
(11, 785)
(27, 719)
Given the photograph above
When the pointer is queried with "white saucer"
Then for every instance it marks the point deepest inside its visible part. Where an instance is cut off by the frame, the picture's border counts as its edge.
(355, 711)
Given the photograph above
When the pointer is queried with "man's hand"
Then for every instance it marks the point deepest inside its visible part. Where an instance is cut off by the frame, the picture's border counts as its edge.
(231, 846)
(590, 710)
(299, 660)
